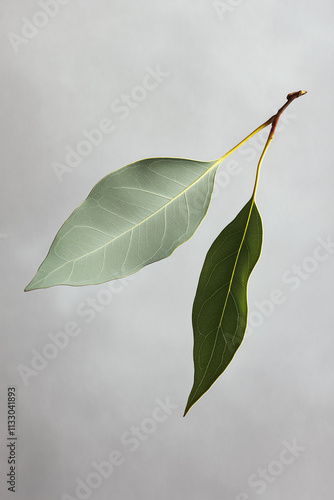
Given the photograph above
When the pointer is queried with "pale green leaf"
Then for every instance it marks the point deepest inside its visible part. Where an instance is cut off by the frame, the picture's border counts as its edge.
(220, 305)
(134, 216)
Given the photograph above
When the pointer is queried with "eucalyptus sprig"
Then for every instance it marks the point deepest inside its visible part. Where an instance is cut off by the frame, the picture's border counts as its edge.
(140, 214)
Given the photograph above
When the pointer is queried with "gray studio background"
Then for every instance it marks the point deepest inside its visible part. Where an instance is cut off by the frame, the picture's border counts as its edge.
(227, 67)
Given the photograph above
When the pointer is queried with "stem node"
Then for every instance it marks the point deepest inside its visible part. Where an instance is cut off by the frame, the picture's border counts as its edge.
(290, 97)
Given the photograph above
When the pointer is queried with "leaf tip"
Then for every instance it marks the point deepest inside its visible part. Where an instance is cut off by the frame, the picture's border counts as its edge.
(189, 405)
(30, 286)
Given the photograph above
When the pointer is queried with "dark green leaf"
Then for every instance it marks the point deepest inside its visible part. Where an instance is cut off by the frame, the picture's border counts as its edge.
(220, 306)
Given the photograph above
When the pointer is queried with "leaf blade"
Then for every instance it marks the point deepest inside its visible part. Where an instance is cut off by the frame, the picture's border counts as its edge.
(134, 216)
(220, 307)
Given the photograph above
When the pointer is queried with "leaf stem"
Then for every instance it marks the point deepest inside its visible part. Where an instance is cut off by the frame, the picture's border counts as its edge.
(274, 120)
(265, 124)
